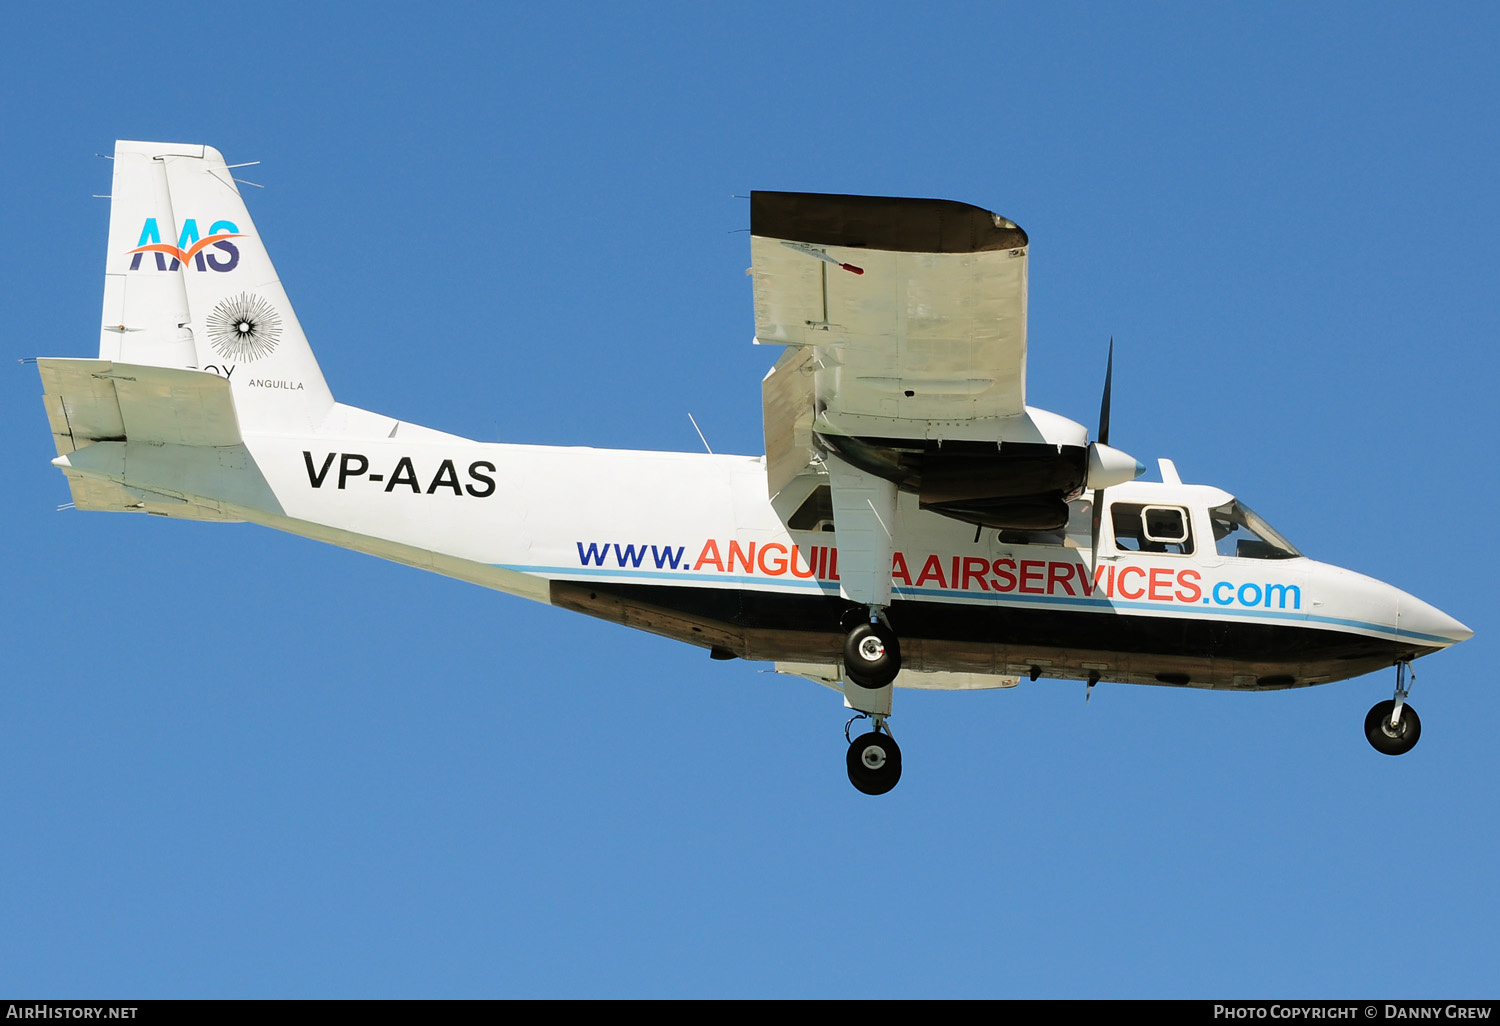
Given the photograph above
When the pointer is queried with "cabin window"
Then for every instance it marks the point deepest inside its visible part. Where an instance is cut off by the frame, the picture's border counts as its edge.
(1080, 529)
(1151, 528)
(1239, 531)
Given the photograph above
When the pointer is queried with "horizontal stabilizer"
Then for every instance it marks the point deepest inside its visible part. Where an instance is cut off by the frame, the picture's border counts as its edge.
(92, 401)
(103, 495)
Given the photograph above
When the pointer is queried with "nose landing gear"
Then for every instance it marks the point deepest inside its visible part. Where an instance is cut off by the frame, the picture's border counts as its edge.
(1392, 727)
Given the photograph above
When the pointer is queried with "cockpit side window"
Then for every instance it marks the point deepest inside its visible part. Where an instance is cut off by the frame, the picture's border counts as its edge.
(1239, 531)
(1141, 528)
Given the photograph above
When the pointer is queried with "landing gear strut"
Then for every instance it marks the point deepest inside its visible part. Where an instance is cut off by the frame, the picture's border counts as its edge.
(1392, 726)
(874, 760)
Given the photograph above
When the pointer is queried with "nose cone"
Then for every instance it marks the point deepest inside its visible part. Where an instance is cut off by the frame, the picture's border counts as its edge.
(1426, 623)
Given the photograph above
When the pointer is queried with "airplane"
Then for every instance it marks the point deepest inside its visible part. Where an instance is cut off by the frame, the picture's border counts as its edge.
(913, 522)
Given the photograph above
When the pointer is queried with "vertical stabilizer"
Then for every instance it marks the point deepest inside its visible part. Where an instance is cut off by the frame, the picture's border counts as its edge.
(188, 283)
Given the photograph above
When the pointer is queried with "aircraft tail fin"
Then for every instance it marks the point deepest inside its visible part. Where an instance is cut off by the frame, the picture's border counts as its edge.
(189, 284)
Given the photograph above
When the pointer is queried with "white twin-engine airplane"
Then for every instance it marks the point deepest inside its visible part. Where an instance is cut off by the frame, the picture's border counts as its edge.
(913, 523)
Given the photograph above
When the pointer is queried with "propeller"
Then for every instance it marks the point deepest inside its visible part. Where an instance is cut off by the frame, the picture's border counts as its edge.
(1109, 374)
(1107, 465)
(1103, 439)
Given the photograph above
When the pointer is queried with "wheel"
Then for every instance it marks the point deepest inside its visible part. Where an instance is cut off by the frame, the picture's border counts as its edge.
(874, 763)
(872, 655)
(1392, 741)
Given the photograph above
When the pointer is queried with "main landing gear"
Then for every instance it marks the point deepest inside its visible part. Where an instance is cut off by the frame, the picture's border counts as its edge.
(872, 654)
(1392, 726)
(872, 659)
(874, 760)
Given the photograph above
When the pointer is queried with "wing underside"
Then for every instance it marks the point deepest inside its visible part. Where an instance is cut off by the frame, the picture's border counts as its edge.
(917, 307)
(905, 322)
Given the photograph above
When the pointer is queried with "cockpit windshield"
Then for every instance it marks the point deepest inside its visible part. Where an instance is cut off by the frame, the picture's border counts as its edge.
(1239, 531)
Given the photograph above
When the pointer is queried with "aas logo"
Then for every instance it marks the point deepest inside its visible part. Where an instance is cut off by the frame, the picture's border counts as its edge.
(189, 246)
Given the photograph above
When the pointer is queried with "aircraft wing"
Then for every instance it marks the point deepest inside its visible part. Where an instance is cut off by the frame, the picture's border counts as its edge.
(914, 309)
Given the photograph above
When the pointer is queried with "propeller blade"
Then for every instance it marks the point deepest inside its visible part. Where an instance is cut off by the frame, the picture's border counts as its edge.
(1109, 373)
(1103, 439)
(1098, 511)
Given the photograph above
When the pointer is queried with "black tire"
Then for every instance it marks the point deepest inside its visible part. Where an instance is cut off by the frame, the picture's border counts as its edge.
(872, 655)
(1392, 742)
(874, 763)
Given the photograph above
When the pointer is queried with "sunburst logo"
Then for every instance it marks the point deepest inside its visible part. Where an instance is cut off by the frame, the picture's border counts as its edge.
(244, 327)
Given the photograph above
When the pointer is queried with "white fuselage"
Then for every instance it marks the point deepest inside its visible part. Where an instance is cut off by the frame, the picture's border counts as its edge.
(690, 546)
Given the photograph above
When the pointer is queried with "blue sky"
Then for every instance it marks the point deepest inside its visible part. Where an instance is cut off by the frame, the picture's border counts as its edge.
(236, 763)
